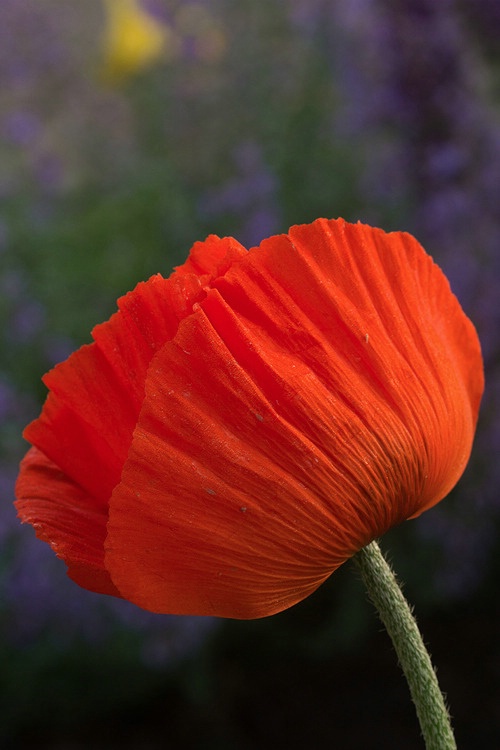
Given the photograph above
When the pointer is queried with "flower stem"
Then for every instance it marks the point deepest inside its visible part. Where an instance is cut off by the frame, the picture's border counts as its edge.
(395, 613)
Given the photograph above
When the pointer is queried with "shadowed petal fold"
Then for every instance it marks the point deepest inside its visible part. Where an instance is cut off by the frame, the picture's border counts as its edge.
(66, 517)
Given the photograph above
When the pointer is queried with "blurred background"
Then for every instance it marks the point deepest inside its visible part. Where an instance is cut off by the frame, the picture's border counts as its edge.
(129, 130)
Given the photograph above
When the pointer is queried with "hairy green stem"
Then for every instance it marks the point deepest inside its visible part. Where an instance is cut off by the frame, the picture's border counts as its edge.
(395, 613)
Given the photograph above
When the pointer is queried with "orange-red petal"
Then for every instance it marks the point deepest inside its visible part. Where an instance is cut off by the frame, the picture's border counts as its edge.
(84, 432)
(67, 518)
(326, 389)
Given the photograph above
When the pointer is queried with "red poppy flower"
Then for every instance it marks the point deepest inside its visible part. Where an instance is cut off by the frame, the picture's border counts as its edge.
(238, 430)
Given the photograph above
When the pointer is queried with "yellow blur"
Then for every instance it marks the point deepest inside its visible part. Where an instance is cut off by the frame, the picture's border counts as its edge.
(133, 40)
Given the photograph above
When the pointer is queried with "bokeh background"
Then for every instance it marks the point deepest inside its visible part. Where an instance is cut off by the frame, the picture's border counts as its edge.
(129, 130)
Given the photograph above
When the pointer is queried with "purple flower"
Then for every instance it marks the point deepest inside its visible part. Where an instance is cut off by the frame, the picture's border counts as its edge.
(21, 127)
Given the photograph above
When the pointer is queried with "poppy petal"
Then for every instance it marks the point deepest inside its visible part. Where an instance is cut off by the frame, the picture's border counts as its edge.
(86, 426)
(62, 515)
(196, 484)
(390, 321)
(96, 394)
(212, 257)
(313, 400)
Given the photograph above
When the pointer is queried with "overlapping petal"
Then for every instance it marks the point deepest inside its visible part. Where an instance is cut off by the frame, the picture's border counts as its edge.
(309, 404)
(85, 430)
(276, 409)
